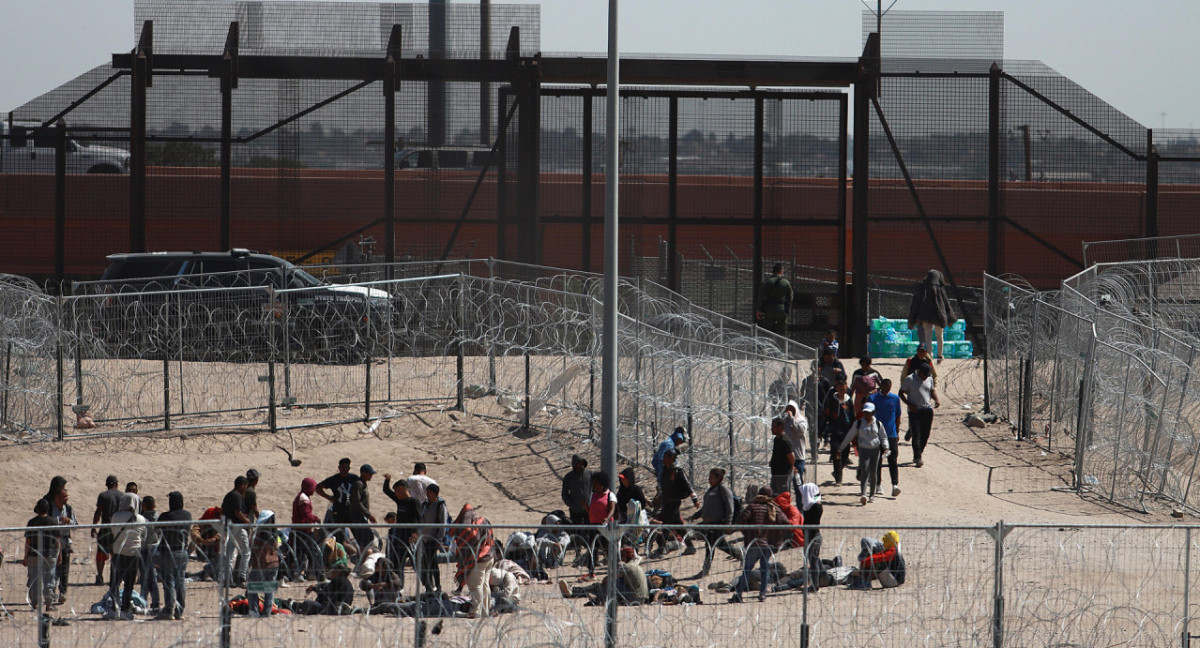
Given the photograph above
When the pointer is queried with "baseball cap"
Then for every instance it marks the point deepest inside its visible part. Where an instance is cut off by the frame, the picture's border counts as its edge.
(868, 407)
(252, 474)
(367, 469)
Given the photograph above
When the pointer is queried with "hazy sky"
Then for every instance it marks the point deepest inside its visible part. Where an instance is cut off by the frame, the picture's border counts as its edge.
(1139, 55)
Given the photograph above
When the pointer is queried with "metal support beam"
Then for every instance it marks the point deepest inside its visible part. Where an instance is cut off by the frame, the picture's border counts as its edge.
(864, 90)
(436, 89)
(756, 209)
(673, 193)
(1151, 195)
(586, 188)
(229, 81)
(389, 145)
(843, 163)
(485, 87)
(994, 141)
(528, 88)
(60, 206)
(143, 66)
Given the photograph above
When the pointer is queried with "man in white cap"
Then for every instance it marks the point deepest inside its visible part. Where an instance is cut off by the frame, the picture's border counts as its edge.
(872, 443)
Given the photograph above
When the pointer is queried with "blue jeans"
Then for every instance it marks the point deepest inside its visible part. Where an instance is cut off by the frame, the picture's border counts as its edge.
(172, 568)
(762, 556)
(149, 576)
(268, 598)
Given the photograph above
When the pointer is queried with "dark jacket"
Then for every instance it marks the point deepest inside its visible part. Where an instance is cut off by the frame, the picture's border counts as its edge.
(756, 519)
(577, 490)
(930, 303)
(627, 494)
(674, 486)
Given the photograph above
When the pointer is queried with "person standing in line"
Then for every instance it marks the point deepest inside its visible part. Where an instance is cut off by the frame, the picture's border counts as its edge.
(360, 510)
(872, 441)
(930, 311)
(887, 411)
(63, 515)
(774, 302)
(783, 459)
(233, 511)
(577, 490)
(149, 577)
(812, 509)
(401, 540)
(716, 510)
(127, 552)
(918, 393)
(433, 519)
(106, 506)
(419, 482)
(41, 557)
(173, 557)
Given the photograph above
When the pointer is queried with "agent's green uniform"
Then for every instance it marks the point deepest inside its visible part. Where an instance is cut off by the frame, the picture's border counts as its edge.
(774, 302)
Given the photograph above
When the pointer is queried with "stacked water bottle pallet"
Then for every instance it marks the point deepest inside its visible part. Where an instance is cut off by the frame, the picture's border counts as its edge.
(891, 338)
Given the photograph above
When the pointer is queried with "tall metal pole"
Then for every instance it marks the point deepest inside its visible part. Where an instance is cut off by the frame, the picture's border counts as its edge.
(608, 389)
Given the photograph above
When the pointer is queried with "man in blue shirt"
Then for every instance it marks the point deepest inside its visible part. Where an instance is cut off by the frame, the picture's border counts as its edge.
(677, 438)
(887, 411)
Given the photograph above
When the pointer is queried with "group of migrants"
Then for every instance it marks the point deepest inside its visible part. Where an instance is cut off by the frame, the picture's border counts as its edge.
(246, 547)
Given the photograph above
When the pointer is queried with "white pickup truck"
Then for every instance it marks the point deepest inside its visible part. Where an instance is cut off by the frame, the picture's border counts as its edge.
(27, 148)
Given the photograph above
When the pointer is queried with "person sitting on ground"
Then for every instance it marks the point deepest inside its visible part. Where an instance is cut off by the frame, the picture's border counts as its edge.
(505, 590)
(552, 540)
(632, 586)
(716, 510)
(334, 597)
(384, 587)
(880, 560)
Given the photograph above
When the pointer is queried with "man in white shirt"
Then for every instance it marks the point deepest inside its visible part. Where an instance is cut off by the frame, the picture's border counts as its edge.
(919, 394)
(418, 483)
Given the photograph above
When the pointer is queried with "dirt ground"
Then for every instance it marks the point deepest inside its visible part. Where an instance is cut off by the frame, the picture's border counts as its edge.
(513, 478)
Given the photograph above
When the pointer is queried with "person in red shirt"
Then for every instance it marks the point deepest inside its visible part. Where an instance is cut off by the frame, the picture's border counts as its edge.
(602, 507)
(304, 539)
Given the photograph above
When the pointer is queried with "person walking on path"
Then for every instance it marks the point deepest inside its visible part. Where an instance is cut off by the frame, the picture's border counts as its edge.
(918, 393)
(930, 311)
(673, 443)
(839, 415)
(887, 412)
(774, 302)
(716, 510)
(872, 441)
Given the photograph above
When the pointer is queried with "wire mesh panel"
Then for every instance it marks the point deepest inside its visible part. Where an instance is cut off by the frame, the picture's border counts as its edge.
(29, 344)
(1093, 585)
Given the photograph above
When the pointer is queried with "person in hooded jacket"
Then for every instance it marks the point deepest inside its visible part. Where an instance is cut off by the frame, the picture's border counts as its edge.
(629, 491)
(794, 518)
(931, 311)
(759, 514)
(812, 509)
(173, 557)
(872, 441)
(62, 514)
(795, 426)
(877, 557)
(128, 539)
(306, 539)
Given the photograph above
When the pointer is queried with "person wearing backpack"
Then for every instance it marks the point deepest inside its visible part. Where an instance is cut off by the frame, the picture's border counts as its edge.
(716, 509)
(755, 521)
(872, 441)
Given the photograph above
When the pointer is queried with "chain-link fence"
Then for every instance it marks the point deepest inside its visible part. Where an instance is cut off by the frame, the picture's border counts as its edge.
(468, 581)
(1101, 371)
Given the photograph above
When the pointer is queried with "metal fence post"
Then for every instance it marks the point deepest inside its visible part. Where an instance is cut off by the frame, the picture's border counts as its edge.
(365, 342)
(1185, 638)
(460, 403)
(729, 412)
(166, 364)
(58, 356)
(526, 405)
(272, 421)
(1083, 425)
(226, 568)
(610, 594)
(998, 593)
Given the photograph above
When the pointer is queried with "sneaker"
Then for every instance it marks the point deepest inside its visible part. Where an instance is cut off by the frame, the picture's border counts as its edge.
(762, 598)
(919, 463)
(863, 500)
(736, 598)
(860, 585)
(871, 499)
(895, 491)
(99, 579)
(62, 599)
(564, 589)
(690, 551)
(127, 615)
(672, 546)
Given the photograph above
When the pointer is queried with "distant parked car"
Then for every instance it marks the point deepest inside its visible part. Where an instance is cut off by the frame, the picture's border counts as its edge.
(216, 305)
(446, 158)
(27, 147)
